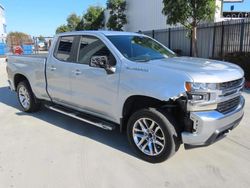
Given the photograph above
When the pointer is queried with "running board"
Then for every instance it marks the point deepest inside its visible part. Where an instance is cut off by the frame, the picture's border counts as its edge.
(83, 117)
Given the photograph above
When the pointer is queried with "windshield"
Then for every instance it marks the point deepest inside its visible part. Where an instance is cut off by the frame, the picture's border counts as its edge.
(140, 48)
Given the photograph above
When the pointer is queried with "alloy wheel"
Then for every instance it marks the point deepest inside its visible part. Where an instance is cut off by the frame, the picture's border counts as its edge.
(148, 136)
(24, 97)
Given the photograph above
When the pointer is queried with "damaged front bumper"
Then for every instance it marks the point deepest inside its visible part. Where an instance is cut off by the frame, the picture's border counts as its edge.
(212, 126)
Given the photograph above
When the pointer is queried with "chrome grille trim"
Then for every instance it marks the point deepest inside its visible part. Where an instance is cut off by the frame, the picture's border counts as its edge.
(229, 105)
(231, 84)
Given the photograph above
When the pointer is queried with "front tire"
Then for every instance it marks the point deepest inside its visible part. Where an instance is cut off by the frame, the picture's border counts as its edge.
(152, 135)
(26, 98)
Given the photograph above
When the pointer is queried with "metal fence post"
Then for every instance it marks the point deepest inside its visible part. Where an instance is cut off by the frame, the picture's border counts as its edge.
(191, 44)
(214, 36)
(153, 33)
(242, 35)
(169, 38)
(222, 41)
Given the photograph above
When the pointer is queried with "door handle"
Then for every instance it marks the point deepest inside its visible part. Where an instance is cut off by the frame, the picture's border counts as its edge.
(52, 68)
(77, 72)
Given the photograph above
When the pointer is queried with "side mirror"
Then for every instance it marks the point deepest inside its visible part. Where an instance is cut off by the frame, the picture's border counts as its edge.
(99, 61)
(102, 62)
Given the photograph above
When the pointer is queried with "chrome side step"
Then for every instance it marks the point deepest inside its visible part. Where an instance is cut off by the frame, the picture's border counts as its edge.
(83, 117)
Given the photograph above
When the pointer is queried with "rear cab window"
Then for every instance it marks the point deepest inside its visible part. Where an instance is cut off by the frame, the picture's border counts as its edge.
(64, 50)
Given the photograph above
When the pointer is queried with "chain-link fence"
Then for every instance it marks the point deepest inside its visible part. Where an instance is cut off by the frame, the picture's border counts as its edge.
(26, 45)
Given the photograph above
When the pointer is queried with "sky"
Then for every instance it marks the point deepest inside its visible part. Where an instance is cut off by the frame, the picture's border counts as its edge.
(36, 17)
(42, 17)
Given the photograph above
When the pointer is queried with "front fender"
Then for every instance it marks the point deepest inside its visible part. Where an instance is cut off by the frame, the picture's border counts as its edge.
(146, 80)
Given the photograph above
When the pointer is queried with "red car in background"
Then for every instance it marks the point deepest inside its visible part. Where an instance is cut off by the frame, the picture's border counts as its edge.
(18, 50)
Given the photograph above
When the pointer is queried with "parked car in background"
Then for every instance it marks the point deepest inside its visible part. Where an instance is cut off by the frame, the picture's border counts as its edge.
(41, 46)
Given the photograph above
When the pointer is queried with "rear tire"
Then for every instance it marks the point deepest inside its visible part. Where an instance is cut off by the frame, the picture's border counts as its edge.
(152, 135)
(26, 98)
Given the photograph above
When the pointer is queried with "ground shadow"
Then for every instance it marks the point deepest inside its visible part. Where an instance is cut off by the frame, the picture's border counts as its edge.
(114, 139)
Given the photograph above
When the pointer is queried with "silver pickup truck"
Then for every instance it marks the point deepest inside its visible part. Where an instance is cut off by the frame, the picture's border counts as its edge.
(131, 81)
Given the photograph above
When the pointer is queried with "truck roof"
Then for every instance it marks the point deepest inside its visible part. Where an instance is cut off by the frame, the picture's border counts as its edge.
(106, 33)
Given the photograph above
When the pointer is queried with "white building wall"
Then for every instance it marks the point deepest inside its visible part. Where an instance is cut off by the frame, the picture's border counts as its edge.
(3, 32)
(147, 15)
(218, 13)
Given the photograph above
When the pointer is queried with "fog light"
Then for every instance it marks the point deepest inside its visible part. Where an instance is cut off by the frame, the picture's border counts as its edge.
(197, 97)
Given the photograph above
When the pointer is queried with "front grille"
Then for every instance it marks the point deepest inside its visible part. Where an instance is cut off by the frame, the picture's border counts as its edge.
(230, 85)
(228, 106)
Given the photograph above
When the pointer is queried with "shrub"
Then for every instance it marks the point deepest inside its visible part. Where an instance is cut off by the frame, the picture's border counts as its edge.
(178, 52)
(241, 59)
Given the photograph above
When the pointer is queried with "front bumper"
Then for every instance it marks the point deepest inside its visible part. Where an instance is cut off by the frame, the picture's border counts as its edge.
(212, 126)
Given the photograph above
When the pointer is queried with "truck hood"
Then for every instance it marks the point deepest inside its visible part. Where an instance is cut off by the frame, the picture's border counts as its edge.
(202, 70)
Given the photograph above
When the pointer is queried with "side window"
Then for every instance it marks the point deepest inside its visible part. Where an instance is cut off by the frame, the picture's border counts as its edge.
(92, 46)
(64, 49)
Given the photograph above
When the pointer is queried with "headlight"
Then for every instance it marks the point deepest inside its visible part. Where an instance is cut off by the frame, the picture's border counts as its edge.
(194, 86)
(199, 96)
(199, 92)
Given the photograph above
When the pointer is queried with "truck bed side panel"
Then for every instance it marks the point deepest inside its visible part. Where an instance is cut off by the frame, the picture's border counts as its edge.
(33, 68)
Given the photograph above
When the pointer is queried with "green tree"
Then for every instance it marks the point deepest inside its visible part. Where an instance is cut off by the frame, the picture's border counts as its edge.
(81, 25)
(117, 17)
(41, 38)
(94, 18)
(189, 13)
(72, 21)
(62, 28)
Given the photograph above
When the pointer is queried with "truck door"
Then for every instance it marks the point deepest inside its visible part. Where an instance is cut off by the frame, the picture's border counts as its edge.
(58, 70)
(93, 89)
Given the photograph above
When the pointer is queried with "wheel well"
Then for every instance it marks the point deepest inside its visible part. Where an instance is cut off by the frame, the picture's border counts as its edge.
(134, 103)
(19, 78)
